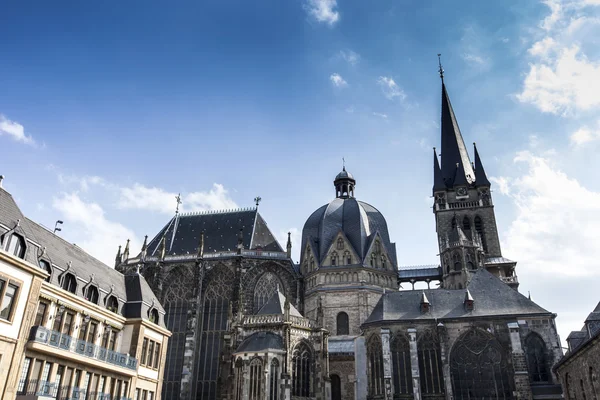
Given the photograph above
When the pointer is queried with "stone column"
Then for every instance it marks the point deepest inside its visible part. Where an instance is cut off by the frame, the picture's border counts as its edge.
(522, 387)
(387, 363)
(414, 363)
(445, 356)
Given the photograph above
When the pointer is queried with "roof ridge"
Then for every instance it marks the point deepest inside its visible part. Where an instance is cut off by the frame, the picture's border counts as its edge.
(210, 212)
(418, 266)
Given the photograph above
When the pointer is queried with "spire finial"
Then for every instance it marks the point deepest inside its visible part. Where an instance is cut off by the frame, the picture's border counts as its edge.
(178, 199)
(343, 164)
(257, 200)
(441, 70)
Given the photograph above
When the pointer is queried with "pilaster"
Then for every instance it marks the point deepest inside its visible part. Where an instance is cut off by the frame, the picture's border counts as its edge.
(414, 363)
(522, 386)
(387, 363)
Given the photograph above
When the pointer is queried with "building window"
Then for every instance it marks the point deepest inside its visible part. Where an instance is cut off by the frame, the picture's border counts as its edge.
(430, 364)
(156, 355)
(45, 265)
(67, 324)
(373, 260)
(457, 262)
(154, 316)
(479, 368)
(274, 381)
(340, 244)
(336, 387)
(480, 230)
(347, 257)
(8, 293)
(21, 388)
(375, 366)
(265, 288)
(109, 339)
(144, 351)
(239, 379)
(466, 224)
(334, 257)
(15, 245)
(400, 349)
(383, 262)
(40, 315)
(342, 324)
(69, 282)
(536, 358)
(301, 370)
(92, 294)
(255, 380)
(112, 304)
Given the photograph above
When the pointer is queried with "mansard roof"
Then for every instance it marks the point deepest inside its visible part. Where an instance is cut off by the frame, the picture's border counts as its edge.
(492, 298)
(221, 230)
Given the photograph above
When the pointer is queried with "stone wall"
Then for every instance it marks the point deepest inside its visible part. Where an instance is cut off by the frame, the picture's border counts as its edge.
(580, 373)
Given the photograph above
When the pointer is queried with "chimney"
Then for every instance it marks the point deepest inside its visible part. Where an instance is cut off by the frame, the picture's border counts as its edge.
(1, 179)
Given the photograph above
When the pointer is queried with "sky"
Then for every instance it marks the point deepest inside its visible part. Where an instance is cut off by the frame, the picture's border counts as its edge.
(108, 110)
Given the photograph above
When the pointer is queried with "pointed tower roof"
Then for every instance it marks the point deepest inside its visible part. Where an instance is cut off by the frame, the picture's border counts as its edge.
(438, 179)
(453, 146)
(480, 176)
(424, 299)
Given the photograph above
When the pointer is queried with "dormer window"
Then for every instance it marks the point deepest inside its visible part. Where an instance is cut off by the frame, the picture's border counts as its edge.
(14, 244)
(469, 302)
(45, 265)
(154, 316)
(112, 304)
(69, 283)
(92, 294)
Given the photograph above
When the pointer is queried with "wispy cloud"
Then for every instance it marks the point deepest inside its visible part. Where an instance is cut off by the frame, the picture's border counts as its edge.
(337, 80)
(474, 46)
(323, 10)
(585, 135)
(380, 115)
(14, 130)
(350, 57)
(390, 88)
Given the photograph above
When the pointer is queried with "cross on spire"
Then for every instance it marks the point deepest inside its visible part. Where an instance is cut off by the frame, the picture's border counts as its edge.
(257, 200)
(343, 164)
(178, 199)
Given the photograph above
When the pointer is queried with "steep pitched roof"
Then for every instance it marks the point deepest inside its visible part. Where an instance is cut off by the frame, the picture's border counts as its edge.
(438, 179)
(454, 150)
(480, 175)
(276, 305)
(492, 297)
(261, 341)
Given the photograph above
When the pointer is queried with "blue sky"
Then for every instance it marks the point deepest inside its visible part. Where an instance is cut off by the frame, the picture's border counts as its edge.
(108, 110)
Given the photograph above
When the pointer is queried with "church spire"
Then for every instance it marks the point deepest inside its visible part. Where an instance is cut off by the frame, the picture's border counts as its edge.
(438, 180)
(454, 150)
(480, 176)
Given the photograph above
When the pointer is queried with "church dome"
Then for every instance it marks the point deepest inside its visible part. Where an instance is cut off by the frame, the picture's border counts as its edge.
(358, 222)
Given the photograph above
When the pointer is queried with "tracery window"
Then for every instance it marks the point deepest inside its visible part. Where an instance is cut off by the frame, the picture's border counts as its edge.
(342, 324)
(255, 380)
(400, 349)
(479, 229)
(430, 364)
(375, 356)
(301, 370)
(334, 257)
(69, 282)
(265, 288)
(479, 368)
(373, 260)
(274, 380)
(239, 379)
(340, 244)
(536, 358)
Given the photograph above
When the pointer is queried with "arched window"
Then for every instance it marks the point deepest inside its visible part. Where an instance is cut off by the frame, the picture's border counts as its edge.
(430, 364)
(375, 366)
(265, 288)
(45, 265)
(383, 262)
(453, 223)
(334, 257)
(479, 368)
(274, 380)
(336, 387)
(466, 224)
(92, 294)
(373, 260)
(255, 380)
(112, 304)
(401, 372)
(340, 244)
(239, 379)
(347, 257)
(301, 370)
(14, 244)
(154, 316)
(536, 358)
(342, 324)
(457, 262)
(69, 282)
(480, 230)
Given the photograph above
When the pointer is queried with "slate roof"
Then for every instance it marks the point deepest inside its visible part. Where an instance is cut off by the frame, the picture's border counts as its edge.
(59, 253)
(341, 346)
(221, 230)
(491, 297)
(578, 340)
(260, 341)
(276, 305)
(358, 220)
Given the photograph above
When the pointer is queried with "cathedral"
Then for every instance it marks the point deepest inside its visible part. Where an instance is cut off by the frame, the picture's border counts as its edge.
(248, 323)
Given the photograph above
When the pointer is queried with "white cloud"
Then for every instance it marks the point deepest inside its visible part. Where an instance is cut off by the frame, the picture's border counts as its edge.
(15, 130)
(556, 13)
(87, 226)
(542, 47)
(584, 135)
(350, 56)
(502, 184)
(323, 10)
(474, 58)
(156, 199)
(390, 88)
(557, 220)
(337, 80)
(380, 115)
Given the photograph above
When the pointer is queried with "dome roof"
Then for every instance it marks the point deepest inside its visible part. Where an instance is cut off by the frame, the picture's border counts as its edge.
(358, 221)
(344, 175)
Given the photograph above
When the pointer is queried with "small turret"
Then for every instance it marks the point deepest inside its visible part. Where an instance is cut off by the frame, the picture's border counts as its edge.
(144, 248)
(344, 184)
(289, 245)
(118, 257)
(126, 252)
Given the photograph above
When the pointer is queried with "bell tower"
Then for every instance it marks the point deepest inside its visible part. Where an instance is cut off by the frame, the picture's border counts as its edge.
(463, 207)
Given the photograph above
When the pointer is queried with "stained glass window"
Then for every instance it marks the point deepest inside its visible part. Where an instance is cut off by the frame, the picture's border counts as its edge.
(536, 358)
(400, 350)
(301, 370)
(375, 356)
(274, 380)
(430, 363)
(256, 375)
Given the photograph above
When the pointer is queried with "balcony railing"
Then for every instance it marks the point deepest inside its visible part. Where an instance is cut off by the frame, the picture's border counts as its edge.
(509, 279)
(39, 334)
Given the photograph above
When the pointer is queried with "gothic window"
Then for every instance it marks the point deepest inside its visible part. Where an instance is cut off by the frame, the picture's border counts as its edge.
(536, 358)
(336, 387)
(479, 229)
(334, 257)
(340, 244)
(478, 367)
(453, 223)
(274, 380)
(430, 364)
(373, 260)
(255, 380)
(383, 263)
(69, 283)
(301, 370)
(14, 244)
(457, 262)
(92, 294)
(112, 304)
(375, 365)
(347, 257)
(469, 260)
(239, 379)
(568, 387)
(401, 371)
(214, 325)
(265, 288)
(466, 224)
(342, 324)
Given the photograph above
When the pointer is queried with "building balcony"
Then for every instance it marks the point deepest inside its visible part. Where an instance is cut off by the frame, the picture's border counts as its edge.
(81, 350)
(509, 279)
